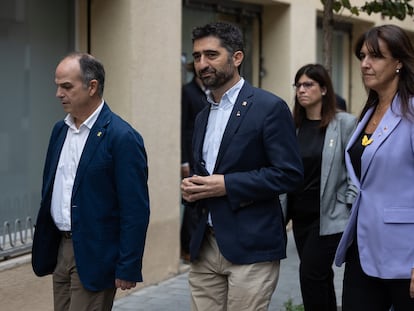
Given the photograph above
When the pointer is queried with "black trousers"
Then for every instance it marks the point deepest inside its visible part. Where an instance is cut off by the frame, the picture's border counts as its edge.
(362, 292)
(316, 254)
(188, 225)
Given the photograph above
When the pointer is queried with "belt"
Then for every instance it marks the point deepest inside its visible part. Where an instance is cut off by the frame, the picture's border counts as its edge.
(66, 234)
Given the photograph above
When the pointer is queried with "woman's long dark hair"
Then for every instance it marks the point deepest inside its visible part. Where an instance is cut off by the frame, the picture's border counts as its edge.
(319, 74)
(400, 47)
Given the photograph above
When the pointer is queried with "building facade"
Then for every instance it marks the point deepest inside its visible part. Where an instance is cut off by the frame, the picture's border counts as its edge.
(144, 45)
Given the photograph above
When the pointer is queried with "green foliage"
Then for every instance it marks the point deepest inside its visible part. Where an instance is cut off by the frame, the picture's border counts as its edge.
(399, 9)
(289, 306)
(387, 8)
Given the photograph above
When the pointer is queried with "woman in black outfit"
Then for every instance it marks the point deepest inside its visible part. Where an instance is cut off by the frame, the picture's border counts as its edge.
(320, 209)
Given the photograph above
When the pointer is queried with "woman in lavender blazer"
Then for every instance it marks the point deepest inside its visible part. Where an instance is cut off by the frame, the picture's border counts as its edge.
(378, 244)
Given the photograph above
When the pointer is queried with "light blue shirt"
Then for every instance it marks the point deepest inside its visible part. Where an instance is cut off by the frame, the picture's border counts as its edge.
(217, 122)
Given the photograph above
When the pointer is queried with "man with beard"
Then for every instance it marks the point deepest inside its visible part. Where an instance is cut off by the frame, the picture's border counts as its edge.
(245, 155)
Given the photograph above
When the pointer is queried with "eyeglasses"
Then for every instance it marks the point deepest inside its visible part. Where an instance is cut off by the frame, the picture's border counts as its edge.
(306, 85)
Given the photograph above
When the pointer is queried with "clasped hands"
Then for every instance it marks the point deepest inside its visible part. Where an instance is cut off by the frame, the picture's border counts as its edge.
(196, 187)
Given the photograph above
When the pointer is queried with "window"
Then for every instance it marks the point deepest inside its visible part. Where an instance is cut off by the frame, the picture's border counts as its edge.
(32, 40)
(246, 16)
(340, 57)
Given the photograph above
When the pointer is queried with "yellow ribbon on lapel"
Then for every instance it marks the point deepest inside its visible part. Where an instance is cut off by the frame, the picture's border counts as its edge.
(365, 141)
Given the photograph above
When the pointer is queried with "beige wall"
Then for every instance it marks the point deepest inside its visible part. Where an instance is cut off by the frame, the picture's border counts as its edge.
(276, 50)
(139, 43)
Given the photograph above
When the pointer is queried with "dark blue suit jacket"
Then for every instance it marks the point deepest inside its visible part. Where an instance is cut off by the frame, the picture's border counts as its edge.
(109, 208)
(259, 158)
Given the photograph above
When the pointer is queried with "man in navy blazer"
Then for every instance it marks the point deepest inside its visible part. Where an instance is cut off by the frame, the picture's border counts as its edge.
(91, 227)
(245, 155)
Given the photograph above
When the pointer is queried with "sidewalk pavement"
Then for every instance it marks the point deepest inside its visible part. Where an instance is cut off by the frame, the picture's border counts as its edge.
(174, 293)
(21, 290)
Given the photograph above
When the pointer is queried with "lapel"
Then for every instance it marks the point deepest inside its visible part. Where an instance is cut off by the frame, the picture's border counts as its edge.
(95, 137)
(388, 123)
(329, 148)
(355, 136)
(240, 109)
(199, 134)
(54, 156)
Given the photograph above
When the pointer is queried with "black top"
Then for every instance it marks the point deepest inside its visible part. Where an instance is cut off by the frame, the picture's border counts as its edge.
(305, 203)
(355, 153)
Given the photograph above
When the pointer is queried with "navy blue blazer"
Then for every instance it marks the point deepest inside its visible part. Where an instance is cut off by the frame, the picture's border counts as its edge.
(109, 208)
(259, 159)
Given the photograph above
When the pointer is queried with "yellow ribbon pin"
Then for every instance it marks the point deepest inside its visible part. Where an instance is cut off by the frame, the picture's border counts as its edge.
(365, 141)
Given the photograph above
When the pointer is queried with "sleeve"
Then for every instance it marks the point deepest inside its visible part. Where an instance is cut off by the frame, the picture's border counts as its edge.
(131, 175)
(349, 124)
(186, 127)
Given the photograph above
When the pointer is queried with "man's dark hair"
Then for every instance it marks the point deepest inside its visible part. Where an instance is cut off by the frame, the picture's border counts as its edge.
(91, 69)
(230, 36)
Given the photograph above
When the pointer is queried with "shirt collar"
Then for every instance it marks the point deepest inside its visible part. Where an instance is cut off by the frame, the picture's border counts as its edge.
(89, 122)
(229, 96)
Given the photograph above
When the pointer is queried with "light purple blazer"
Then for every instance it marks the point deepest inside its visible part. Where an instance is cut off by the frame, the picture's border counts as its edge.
(383, 212)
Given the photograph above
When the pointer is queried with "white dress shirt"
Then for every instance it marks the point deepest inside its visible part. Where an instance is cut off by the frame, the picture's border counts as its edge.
(217, 122)
(66, 170)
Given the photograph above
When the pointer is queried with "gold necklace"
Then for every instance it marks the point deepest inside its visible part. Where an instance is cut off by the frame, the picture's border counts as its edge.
(378, 114)
(375, 119)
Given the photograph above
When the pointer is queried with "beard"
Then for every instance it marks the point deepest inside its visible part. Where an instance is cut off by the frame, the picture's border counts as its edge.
(216, 78)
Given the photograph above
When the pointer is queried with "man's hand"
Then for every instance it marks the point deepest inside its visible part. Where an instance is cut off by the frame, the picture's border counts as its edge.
(412, 284)
(122, 284)
(201, 187)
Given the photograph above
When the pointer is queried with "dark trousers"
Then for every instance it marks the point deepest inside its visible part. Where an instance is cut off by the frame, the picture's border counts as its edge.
(362, 292)
(187, 227)
(316, 254)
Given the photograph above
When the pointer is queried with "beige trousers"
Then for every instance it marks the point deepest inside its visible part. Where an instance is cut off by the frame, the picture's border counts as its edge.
(68, 291)
(217, 284)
